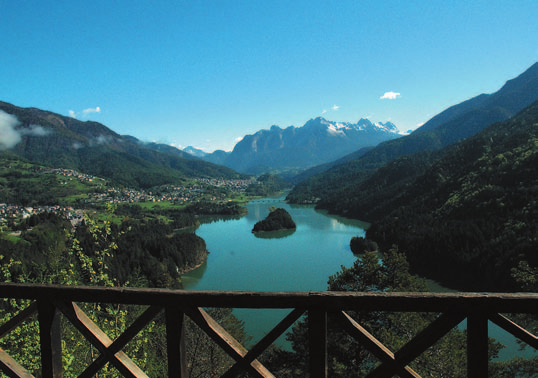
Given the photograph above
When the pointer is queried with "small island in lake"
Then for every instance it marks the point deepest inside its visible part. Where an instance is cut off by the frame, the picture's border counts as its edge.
(278, 219)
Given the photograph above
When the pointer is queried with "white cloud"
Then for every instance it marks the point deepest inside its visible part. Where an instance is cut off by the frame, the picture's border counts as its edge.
(103, 139)
(85, 112)
(324, 111)
(35, 130)
(9, 137)
(390, 95)
(238, 139)
(335, 107)
(420, 124)
(92, 110)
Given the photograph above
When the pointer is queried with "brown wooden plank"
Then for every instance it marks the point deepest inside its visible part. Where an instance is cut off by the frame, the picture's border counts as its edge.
(265, 342)
(175, 342)
(337, 301)
(12, 368)
(226, 341)
(85, 325)
(514, 329)
(371, 344)
(317, 342)
(50, 338)
(416, 346)
(15, 321)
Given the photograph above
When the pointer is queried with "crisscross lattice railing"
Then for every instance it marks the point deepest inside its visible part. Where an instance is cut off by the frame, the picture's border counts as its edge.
(51, 302)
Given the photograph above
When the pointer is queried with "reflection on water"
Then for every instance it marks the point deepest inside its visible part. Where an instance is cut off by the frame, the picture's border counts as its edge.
(274, 234)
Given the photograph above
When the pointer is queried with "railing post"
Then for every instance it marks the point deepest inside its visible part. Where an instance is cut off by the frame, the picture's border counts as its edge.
(477, 345)
(50, 339)
(317, 336)
(175, 342)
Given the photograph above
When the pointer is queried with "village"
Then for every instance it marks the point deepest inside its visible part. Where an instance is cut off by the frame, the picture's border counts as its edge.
(200, 189)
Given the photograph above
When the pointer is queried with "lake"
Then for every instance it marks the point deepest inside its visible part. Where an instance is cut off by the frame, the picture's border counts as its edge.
(301, 260)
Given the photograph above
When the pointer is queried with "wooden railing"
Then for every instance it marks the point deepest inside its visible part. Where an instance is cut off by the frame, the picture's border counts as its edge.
(52, 302)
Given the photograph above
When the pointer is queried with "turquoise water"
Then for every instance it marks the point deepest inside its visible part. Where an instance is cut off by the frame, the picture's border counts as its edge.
(291, 261)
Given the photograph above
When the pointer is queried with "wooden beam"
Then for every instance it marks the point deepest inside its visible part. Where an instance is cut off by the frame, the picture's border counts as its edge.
(50, 339)
(335, 301)
(265, 342)
(12, 368)
(511, 327)
(317, 336)
(226, 341)
(477, 344)
(15, 321)
(416, 346)
(371, 344)
(175, 342)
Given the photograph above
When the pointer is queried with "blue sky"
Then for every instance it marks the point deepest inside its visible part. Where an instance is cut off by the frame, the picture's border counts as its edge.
(205, 73)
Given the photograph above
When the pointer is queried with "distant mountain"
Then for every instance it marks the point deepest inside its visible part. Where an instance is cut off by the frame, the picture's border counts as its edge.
(317, 142)
(472, 210)
(195, 151)
(334, 186)
(90, 147)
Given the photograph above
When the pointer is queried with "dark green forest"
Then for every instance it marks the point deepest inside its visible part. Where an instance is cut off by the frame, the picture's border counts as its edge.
(473, 212)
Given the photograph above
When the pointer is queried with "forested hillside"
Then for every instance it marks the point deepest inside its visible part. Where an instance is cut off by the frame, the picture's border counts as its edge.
(471, 217)
(90, 147)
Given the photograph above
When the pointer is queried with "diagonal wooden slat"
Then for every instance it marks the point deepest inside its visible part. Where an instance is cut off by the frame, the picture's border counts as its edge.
(100, 340)
(371, 344)
(14, 322)
(121, 341)
(12, 368)
(226, 341)
(516, 330)
(8, 365)
(265, 342)
(416, 346)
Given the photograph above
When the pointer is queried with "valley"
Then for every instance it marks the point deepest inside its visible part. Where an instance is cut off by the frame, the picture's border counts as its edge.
(454, 201)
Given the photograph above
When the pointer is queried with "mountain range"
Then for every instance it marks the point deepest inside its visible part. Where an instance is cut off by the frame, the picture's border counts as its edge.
(333, 188)
(318, 141)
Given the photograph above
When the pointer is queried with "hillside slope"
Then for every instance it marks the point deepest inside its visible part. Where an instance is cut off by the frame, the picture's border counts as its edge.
(92, 148)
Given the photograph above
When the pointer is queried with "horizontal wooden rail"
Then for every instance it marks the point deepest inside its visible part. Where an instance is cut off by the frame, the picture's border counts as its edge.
(397, 302)
(51, 301)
